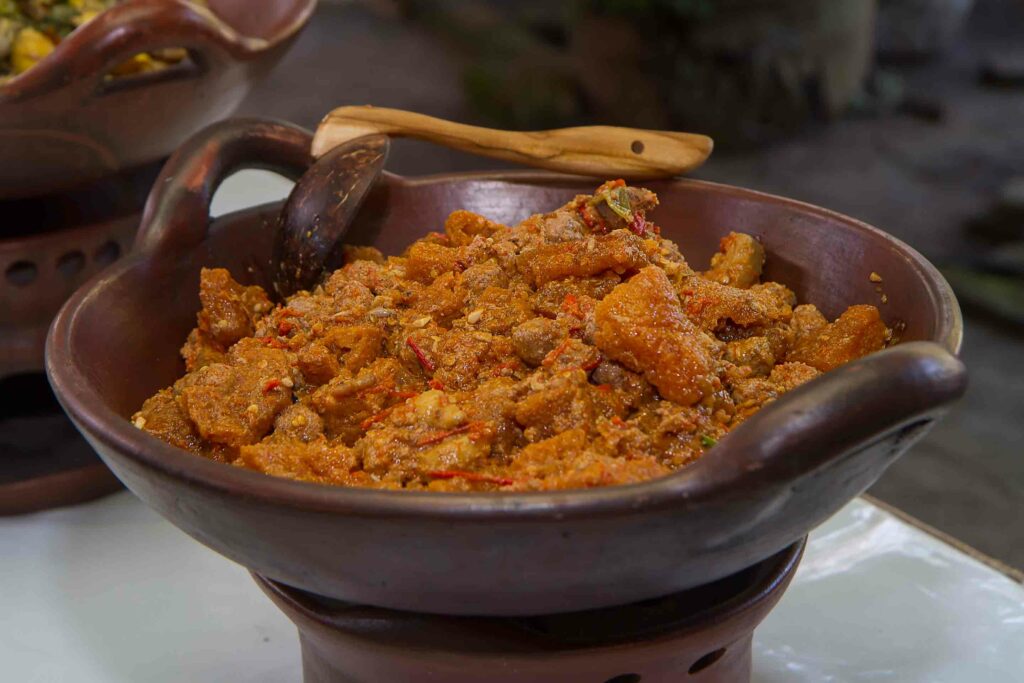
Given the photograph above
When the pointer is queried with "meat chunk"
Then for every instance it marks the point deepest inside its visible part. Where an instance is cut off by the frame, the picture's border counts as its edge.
(163, 417)
(738, 262)
(350, 405)
(534, 339)
(641, 325)
(480, 276)
(235, 403)
(229, 309)
(497, 310)
(299, 423)
(755, 353)
(619, 251)
(550, 299)
(630, 387)
(807, 323)
(565, 401)
(856, 333)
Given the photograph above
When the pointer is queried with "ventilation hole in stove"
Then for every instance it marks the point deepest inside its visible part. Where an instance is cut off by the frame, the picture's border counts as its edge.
(107, 253)
(71, 264)
(706, 661)
(625, 678)
(21, 273)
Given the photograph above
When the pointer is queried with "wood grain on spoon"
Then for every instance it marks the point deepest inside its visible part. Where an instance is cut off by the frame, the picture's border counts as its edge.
(602, 151)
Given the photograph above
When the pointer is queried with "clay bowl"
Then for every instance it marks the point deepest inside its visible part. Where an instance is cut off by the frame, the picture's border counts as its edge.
(761, 489)
(64, 122)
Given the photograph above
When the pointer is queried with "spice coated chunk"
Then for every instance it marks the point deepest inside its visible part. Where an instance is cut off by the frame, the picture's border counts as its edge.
(641, 324)
(575, 349)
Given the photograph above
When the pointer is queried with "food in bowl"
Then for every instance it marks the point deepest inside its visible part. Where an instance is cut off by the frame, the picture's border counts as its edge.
(575, 349)
(31, 29)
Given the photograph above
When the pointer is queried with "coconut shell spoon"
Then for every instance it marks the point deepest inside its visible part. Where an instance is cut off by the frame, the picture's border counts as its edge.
(320, 209)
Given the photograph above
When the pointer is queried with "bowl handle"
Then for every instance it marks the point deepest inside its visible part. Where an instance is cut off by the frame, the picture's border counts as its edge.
(884, 397)
(177, 212)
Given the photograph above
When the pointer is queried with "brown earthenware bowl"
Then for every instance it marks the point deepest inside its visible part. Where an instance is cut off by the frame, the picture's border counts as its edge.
(65, 122)
(763, 487)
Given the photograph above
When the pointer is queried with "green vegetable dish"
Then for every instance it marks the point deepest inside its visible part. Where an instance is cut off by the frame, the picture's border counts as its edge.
(31, 29)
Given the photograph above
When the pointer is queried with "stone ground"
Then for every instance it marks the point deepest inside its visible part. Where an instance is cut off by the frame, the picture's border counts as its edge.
(921, 181)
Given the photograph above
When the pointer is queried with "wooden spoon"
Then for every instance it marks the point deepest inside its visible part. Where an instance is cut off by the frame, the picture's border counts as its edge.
(602, 151)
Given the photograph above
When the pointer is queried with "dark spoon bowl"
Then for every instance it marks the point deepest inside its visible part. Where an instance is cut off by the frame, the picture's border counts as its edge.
(762, 488)
(65, 122)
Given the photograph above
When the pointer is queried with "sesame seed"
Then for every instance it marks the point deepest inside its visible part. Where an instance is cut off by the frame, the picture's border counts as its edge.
(288, 382)
(139, 422)
(875, 277)
(474, 317)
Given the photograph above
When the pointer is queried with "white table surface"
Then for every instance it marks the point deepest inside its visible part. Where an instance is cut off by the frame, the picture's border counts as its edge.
(109, 592)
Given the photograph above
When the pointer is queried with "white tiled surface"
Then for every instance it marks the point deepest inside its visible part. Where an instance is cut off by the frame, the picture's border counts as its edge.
(109, 592)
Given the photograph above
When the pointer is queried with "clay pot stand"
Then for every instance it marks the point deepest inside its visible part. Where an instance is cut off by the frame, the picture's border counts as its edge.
(703, 634)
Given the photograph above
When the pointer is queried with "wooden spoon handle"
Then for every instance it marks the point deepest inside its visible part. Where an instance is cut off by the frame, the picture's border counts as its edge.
(602, 151)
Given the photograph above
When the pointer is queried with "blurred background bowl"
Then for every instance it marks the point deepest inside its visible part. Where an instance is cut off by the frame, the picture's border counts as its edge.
(67, 121)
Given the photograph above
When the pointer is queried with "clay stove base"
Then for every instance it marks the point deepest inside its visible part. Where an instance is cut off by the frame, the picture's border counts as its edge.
(49, 246)
(703, 634)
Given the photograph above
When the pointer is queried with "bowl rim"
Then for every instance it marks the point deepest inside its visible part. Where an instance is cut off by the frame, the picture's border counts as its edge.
(109, 430)
(50, 74)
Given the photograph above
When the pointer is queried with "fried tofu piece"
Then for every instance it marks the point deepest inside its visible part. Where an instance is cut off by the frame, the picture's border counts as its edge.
(619, 251)
(567, 461)
(856, 333)
(351, 253)
(641, 325)
(318, 461)
(738, 262)
(462, 226)
(464, 359)
(425, 262)
(750, 395)
(711, 305)
(443, 299)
